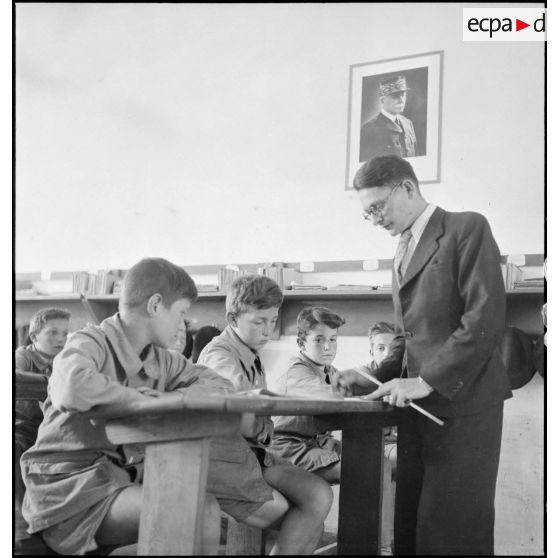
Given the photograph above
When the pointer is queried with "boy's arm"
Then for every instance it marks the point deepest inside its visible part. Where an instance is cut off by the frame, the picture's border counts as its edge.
(77, 385)
(223, 361)
(182, 374)
(23, 363)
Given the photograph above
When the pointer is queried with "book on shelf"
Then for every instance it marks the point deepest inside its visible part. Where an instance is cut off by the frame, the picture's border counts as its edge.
(512, 274)
(281, 274)
(353, 288)
(95, 283)
(532, 283)
(385, 287)
(207, 288)
(298, 287)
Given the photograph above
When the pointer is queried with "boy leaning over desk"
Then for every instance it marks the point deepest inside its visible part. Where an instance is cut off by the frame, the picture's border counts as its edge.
(79, 493)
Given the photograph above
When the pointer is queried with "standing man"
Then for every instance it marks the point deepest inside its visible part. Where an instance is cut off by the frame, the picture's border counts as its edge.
(389, 133)
(449, 299)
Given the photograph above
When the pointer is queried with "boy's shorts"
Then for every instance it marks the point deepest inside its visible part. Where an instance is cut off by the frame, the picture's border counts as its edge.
(67, 508)
(311, 453)
(235, 477)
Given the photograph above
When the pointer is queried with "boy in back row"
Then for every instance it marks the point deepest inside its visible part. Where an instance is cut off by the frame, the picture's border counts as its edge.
(79, 495)
(48, 330)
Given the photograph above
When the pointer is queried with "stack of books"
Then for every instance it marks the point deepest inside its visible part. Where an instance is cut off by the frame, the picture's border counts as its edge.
(298, 287)
(95, 283)
(281, 274)
(226, 277)
(353, 288)
(532, 283)
(207, 288)
(512, 274)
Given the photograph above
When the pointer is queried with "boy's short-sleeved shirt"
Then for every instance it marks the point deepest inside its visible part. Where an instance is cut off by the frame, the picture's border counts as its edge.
(301, 376)
(231, 358)
(28, 414)
(297, 439)
(85, 375)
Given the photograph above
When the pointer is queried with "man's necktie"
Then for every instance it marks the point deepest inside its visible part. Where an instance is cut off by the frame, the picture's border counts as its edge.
(400, 261)
(403, 142)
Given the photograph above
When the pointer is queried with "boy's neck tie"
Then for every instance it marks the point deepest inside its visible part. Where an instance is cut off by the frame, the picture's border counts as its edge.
(258, 366)
(327, 370)
(400, 260)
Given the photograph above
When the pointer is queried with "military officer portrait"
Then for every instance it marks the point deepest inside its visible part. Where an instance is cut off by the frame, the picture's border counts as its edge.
(390, 132)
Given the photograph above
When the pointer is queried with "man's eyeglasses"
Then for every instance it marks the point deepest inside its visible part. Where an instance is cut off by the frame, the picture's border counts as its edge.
(376, 209)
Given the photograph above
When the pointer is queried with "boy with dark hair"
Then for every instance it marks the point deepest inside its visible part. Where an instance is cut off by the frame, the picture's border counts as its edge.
(299, 501)
(79, 495)
(297, 440)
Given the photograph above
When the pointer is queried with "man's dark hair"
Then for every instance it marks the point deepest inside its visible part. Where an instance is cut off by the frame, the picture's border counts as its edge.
(383, 170)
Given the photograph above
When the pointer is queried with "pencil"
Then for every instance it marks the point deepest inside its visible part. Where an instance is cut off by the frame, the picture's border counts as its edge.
(411, 404)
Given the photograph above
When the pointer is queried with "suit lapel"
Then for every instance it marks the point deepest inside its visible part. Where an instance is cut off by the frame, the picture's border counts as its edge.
(427, 246)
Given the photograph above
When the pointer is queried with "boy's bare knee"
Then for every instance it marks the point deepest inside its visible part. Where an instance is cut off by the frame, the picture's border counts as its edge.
(270, 513)
(323, 497)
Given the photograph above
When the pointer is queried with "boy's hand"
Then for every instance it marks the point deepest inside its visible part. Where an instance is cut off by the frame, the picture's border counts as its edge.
(144, 390)
(400, 392)
(349, 383)
(248, 426)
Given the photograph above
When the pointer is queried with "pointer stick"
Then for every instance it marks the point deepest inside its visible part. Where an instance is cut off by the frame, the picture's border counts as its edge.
(411, 404)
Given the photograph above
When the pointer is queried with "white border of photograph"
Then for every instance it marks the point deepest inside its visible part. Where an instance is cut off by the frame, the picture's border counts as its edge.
(427, 167)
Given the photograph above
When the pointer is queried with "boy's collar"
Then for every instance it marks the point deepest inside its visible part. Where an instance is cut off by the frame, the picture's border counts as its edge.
(242, 341)
(129, 359)
(322, 367)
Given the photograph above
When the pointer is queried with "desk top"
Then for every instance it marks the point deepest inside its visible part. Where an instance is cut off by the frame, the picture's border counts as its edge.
(200, 399)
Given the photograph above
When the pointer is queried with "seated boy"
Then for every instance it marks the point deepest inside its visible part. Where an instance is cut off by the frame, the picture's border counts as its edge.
(381, 337)
(48, 330)
(297, 440)
(301, 501)
(79, 494)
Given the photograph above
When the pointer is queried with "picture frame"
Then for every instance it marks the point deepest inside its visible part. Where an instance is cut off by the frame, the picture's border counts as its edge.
(377, 93)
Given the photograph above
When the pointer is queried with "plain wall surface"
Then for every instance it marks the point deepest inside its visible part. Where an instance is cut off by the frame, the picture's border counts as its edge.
(217, 133)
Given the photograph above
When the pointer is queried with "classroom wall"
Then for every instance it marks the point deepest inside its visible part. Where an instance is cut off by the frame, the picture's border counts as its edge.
(217, 133)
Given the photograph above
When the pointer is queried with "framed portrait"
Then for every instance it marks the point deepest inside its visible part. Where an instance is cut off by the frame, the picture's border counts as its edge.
(394, 108)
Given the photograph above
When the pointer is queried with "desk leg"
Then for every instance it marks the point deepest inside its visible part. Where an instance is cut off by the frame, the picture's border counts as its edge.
(173, 497)
(360, 496)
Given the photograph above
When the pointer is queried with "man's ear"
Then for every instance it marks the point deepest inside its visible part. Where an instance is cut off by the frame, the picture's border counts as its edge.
(300, 343)
(154, 304)
(231, 319)
(410, 187)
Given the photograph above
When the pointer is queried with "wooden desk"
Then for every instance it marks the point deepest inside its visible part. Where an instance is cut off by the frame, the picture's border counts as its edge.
(177, 427)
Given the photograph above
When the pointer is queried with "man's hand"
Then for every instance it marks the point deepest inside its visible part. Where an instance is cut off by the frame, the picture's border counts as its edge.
(400, 392)
(349, 383)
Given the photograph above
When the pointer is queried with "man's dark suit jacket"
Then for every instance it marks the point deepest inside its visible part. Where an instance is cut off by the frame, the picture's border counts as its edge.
(451, 304)
(381, 136)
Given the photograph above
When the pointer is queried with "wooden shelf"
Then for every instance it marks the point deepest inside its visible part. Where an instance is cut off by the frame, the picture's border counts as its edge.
(523, 308)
